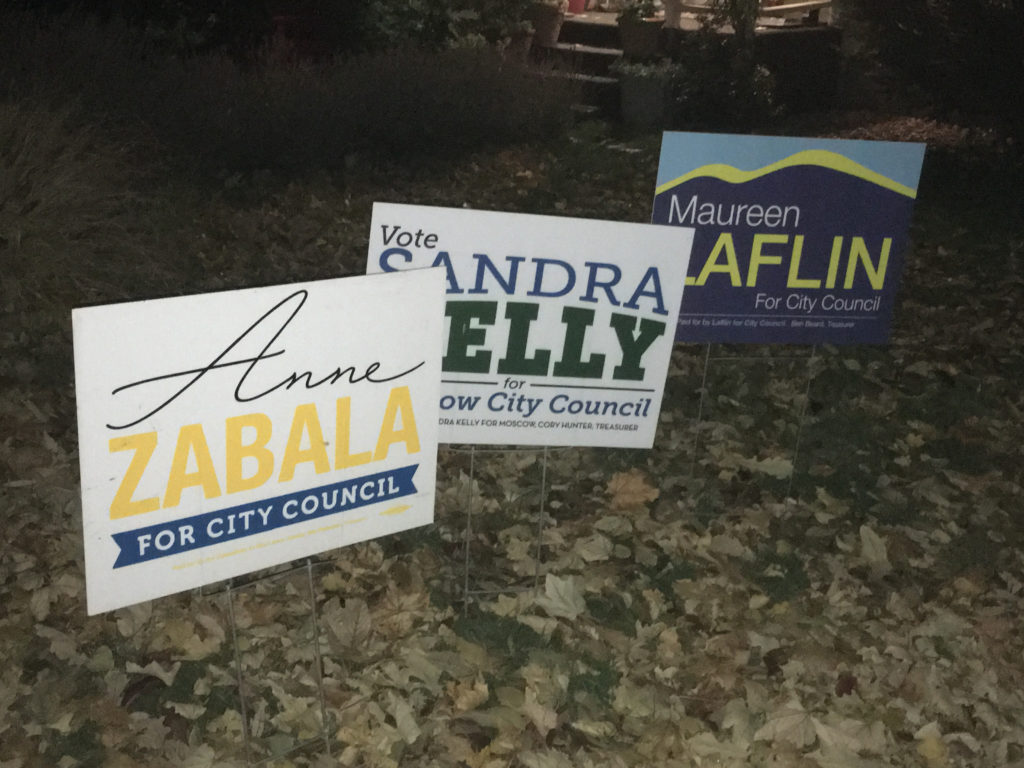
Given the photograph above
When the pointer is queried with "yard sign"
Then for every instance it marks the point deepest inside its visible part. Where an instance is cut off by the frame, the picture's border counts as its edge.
(228, 432)
(559, 330)
(797, 240)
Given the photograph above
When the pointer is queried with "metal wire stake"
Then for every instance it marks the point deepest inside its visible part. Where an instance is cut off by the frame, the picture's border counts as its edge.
(700, 409)
(800, 422)
(238, 672)
(469, 531)
(318, 660)
(540, 515)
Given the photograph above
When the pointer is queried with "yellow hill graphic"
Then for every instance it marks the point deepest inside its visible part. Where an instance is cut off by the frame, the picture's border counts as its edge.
(819, 157)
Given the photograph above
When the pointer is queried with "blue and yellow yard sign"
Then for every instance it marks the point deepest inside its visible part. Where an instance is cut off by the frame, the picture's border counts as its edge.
(797, 240)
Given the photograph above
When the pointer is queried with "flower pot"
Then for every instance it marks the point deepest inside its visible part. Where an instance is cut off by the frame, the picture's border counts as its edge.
(519, 44)
(547, 24)
(673, 10)
(643, 100)
(641, 39)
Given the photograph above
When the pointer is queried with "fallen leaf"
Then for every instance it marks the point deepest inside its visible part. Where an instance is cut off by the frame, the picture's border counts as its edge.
(873, 552)
(789, 723)
(562, 598)
(630, 490)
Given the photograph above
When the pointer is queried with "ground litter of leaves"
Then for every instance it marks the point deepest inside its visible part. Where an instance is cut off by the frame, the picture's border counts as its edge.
(824, 570)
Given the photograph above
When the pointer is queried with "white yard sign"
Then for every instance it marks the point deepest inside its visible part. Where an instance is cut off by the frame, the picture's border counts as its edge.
(224, 433)
(558, 331)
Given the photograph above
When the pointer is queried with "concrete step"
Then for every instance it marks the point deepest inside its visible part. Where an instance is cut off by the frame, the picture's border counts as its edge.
(576, 57)
(592, 28)
(597, 93)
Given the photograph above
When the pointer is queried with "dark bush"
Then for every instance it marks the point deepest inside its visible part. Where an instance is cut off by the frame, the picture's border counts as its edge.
(219, 115)
(964, 55)
(720, 84)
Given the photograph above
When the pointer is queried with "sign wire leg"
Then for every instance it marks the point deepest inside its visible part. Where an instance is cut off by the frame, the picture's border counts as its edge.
(246, 736)
(317, 659)
(541, 515)
(469, 531)
(700, 408)
(800, 422)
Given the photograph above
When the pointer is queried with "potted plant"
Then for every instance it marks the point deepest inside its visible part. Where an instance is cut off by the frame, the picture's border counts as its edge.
(646, 91)
(673, 11)
(547, 17)
(517, 40)
(640, 29)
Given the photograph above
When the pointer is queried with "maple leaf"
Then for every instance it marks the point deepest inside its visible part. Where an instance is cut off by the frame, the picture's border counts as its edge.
(872, 550)
(931, 747)
(788, 723)
(773, 467)
(468, 695)
(852, 735)
(630, 490)
(405, 720)
(562, 598)
(547, 759)
(595, 548)
(543, 717)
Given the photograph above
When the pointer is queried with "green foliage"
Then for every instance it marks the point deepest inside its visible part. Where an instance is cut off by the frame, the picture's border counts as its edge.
(192, 26)
(714, 81)
(719, 84)
(741, 15)
(183, 27)
(428, 23)
(501, 634)
(217, 115)
(780, 576)
(636, 10)
(611, 611)
(350, 27)
(597, 679)
(84, 743)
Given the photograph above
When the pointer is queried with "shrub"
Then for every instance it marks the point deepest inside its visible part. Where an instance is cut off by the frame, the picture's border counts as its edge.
(218, 115)
(720, 85)
(964, 55)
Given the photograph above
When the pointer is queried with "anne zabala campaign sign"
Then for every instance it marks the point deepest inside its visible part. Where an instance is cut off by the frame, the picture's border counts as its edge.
(228, 432)
(797, 240)
(558, 330)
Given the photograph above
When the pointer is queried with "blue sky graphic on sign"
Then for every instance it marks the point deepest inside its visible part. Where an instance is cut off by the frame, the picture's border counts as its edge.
(797, 240)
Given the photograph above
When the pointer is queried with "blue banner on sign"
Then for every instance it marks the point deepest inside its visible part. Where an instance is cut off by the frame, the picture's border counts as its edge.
(209, 528)
(797, 241)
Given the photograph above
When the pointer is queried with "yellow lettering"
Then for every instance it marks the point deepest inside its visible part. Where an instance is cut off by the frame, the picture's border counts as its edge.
(833, 261)
(304, 421)
(757, 258)
(794, 280)
(399, 404)
(191, 442)
(343, 456)
(731, 267)
(144, 445)
(236, 451)
(859, 252)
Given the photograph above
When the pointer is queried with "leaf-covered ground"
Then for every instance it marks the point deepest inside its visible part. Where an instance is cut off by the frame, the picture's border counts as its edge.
(826, 570)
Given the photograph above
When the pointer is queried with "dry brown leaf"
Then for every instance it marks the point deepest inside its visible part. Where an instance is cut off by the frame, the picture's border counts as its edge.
(630, 490)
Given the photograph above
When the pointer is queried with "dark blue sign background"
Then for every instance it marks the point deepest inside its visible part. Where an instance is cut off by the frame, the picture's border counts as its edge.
(821, 204)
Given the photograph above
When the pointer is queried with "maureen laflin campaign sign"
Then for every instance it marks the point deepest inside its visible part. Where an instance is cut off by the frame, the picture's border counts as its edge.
(558, 330)
(797, 240)
(227, 432)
